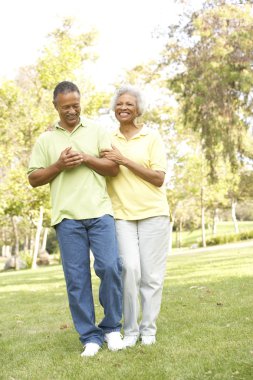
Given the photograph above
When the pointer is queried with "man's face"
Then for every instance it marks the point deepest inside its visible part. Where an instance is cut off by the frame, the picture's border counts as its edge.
(68, 108)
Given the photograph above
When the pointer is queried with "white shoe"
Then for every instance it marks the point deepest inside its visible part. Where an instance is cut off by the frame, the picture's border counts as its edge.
(148, 339)
(114, 341)
(130, 340)
(91, 349)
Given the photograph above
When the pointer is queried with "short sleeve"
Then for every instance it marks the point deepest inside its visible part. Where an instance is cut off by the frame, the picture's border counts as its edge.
(157, 153)
(38, 157)
(105, 139)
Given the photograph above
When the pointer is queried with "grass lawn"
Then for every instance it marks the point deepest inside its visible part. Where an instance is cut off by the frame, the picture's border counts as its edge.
(192, 237)
(205, 328)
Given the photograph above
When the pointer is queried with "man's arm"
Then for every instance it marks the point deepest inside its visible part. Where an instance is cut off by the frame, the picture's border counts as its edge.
(102, 166)
(67, 160)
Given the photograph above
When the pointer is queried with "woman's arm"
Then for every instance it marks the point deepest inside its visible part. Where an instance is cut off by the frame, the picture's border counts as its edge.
(155, 177)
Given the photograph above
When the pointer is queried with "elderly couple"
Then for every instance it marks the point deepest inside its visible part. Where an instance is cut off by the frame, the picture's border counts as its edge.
(108, 196)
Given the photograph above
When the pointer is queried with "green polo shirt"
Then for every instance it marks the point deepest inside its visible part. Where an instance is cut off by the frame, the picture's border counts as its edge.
(78, 193)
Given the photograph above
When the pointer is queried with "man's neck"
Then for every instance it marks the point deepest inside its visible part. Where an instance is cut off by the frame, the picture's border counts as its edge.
(68, 127)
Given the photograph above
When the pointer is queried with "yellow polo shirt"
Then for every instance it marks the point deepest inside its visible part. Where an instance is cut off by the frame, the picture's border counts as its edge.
(78, 193)
(132, 197)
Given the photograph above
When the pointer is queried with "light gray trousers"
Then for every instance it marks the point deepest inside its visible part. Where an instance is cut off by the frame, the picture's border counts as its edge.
(143, 248)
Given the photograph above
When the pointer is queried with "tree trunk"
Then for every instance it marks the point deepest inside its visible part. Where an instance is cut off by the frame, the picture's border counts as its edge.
(37, 239)
(31, 241)
(215, 221)
(16, 241)
(6, 250)
(26, 243)
(203, 228)
(233, 212)
(44, 243)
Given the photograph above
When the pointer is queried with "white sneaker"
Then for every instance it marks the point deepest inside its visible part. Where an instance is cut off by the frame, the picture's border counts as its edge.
(130, 340)
(148, 339)
(114, 341)
(91, 349)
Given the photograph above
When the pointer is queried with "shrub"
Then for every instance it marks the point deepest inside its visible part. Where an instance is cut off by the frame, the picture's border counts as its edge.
(229, 238)
(27, 258)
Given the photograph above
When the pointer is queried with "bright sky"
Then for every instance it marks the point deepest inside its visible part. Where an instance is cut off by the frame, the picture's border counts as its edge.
(125, 29)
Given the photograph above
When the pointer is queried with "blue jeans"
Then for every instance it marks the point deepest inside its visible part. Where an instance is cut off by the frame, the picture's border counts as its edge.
(76, 238)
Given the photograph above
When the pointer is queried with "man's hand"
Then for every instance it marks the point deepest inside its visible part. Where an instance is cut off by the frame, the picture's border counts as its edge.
(69, 159)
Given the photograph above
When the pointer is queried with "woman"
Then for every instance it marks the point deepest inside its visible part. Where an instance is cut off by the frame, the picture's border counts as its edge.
(142, 215)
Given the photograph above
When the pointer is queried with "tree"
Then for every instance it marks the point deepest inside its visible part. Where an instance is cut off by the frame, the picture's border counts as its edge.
(209, 66)
(26, 111)
(65, 54)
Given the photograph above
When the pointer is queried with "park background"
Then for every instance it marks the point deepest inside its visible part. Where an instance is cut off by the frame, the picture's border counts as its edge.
(196, 72)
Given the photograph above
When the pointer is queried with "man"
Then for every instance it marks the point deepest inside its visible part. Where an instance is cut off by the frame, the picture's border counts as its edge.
(67, 158)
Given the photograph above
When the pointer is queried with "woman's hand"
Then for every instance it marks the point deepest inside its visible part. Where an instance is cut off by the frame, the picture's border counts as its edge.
(114, 155)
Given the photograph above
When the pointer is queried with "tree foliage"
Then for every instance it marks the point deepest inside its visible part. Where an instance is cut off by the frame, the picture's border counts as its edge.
(64, 54)
(26, 110)
(209, 66)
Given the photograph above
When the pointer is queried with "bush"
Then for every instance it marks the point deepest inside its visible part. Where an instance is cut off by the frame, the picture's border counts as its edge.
(229, 238)
(27, 258)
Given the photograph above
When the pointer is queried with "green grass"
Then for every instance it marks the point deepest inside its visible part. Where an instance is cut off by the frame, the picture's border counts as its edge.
(193, 237)
(204, 328)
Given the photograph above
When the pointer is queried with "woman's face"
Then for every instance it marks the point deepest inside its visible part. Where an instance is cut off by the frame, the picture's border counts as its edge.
(126, 108)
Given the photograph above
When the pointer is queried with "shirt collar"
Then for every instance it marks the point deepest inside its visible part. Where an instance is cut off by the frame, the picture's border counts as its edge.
(143, 131)
(82, 123)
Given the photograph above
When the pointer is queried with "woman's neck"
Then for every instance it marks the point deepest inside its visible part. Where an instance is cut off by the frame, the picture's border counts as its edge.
(129, 130)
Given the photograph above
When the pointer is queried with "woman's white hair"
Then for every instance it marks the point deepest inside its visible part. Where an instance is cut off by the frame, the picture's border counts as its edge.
(128, 89)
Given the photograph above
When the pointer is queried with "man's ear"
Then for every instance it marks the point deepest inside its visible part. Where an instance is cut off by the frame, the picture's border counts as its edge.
(55, 105)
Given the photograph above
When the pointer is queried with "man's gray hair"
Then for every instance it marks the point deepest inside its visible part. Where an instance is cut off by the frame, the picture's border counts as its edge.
(128, 89)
